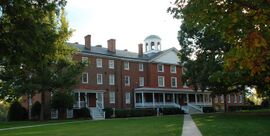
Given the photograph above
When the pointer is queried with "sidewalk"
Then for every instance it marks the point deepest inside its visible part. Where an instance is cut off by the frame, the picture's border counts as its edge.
(189, 127)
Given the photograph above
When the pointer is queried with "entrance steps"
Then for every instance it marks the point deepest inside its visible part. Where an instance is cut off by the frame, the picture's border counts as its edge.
(97, 114)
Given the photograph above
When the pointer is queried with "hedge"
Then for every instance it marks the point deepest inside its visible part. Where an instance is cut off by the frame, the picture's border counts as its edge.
(208, 109)
(17, 112)
(81, 113)
(108, 112)
(247, 107)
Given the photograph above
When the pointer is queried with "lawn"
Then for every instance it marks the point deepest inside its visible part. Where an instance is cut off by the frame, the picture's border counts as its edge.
(233, 124)
(148, 126)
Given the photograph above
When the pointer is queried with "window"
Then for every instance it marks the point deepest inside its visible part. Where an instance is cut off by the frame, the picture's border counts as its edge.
(229, 98)
(111, 64)
(128, 98)
(99, 79)
(140, 66)
(99, 63)
(222, 98)
(84, 78)
(173, 69)
(173, 81)
(160, 68)
(161, 81)
(216, 99)
(127, 80)
(152, 45)
(85, 61)
(126, 65)
(141, 81)
(235, 98)
(240, 98)
(112, 97)
(111, 79)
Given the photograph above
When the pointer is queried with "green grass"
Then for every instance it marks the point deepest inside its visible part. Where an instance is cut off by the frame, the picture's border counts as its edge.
(233, 124)
(148, 126)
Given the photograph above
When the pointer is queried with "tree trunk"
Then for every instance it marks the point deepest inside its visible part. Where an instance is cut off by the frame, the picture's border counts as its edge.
(42, 111)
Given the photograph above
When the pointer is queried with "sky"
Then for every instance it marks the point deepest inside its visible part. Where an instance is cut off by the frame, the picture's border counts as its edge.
(127, 21)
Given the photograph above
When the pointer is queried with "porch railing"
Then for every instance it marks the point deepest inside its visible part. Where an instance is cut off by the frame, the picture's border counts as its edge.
(81, 103)
(100, 108)
(156, 104)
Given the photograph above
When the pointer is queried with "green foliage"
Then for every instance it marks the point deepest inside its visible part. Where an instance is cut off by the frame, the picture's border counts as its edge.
(124, 113)
(82, 113)
(62, 100)
(17, 112)
(108, 112)
(35, 111)
(172, 111)
(265, 103)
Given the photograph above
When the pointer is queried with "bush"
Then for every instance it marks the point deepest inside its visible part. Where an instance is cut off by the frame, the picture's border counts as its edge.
(265, 103)
(171, 111)
(123, 113)
(81, 113)
(17, 112)
(208, 109)
(239, 108)
(108, 112)
(35, 111)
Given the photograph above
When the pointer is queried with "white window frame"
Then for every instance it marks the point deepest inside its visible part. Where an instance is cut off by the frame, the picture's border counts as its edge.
(222, 98)
(173, 69)
(86, 78)
(163, 81)
(127, 97)
(161, 66)
(216, 99)
(111, 64)
(229, 98)
(99, 63)
(127, 77)
(85, 61)
(101, 79)
(174, 78)
(240, 98)
(112, 97)
(126, 65)
(141, 66)
(111, 79)
(141, 81)
(235, 98)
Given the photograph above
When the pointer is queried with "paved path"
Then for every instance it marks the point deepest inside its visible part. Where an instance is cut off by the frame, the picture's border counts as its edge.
(189, 127)
(47, 124)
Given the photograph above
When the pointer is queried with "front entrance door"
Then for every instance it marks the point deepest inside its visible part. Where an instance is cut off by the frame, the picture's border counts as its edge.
(92, 99)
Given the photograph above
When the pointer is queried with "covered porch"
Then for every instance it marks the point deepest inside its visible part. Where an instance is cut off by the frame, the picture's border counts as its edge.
(156, 97)
(89, 99)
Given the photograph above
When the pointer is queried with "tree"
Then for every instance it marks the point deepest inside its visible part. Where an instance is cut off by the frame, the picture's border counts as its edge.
(243, 24)
(62, 101)
(35, 57)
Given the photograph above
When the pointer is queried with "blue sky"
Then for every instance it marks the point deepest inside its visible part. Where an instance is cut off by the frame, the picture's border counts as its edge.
(127, 21)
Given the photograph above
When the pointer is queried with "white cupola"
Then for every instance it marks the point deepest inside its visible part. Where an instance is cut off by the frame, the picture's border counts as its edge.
(152, 44)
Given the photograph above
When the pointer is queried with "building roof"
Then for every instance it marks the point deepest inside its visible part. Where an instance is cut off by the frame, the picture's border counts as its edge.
(119, 53)
(152, 37)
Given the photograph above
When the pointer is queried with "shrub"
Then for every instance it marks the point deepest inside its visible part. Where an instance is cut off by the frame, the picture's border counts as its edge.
(265, 103)
(81, 113)
(35, 111)
(171, 111)
(208, 109)
(17, 112)
(123, 113)
(239, 108)
(108, 112)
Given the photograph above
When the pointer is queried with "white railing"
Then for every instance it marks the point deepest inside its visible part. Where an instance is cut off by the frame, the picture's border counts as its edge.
(201, 103)
(195, 107)
(54, 114)
(81, 103)
(99, 107)
(69, 113)
(156, 104)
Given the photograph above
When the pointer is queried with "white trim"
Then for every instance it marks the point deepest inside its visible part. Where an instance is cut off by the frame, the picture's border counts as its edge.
(99, 63)
(175, 78)
(111, 64)
(163, 81)
(112, 97)
(141, 67)
(85, 61)
(126, 65)
(101, 79)
(127, 84)
(127, 98)
(86, 78)
(229, 98)
(162, 66)
(141, 81)
(235, 98)
(111, 79)
(173, 66)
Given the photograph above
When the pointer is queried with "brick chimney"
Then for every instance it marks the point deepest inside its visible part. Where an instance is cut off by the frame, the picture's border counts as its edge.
(111, 45)
(140, 47)
(87, 40)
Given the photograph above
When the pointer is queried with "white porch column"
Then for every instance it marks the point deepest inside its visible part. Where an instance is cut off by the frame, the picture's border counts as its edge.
(79, 99)
(195, 98)
(187, 98)
(173, 97)
(102, 99)
(153, 95)
(142, 99)
(164, 99)
(134, 100)
(203, 99)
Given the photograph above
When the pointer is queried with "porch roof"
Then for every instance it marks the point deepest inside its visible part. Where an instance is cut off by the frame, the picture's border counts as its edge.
(167, 90)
